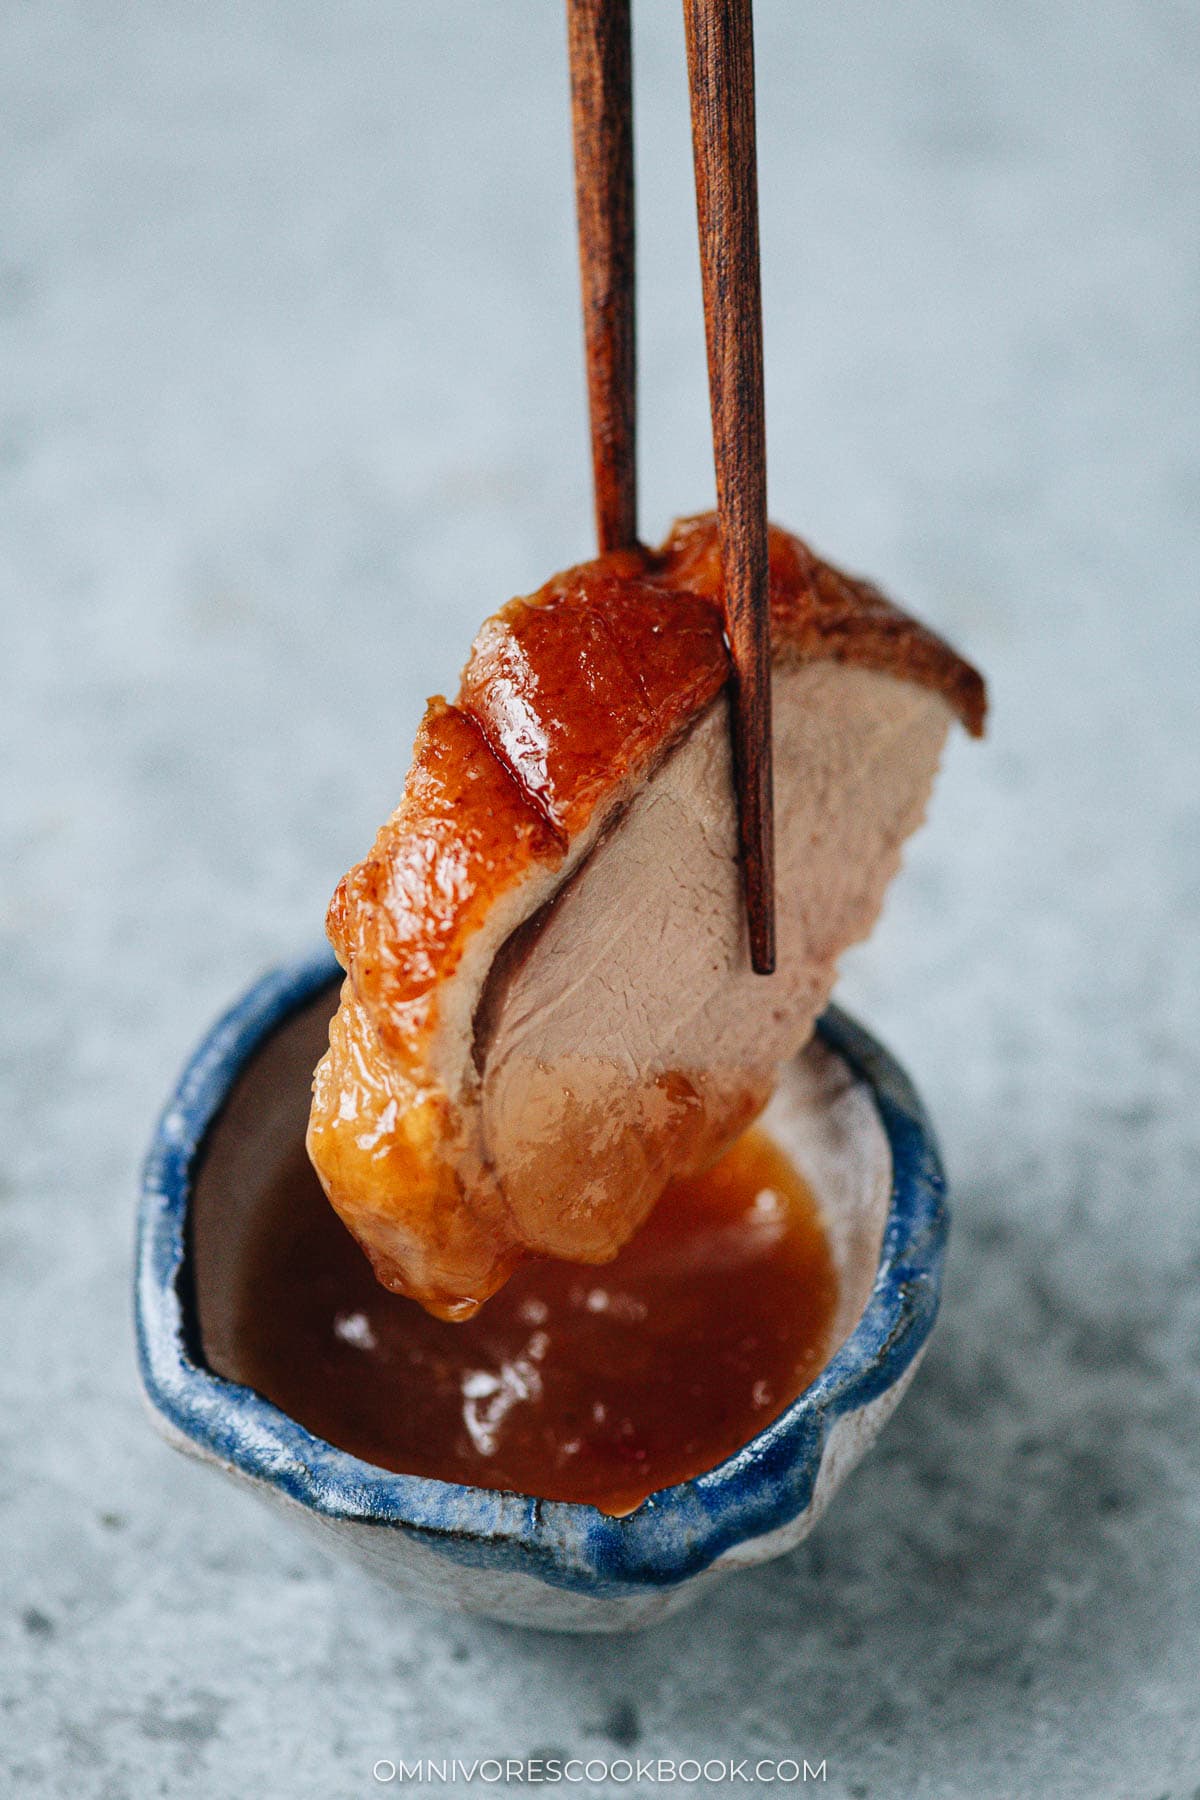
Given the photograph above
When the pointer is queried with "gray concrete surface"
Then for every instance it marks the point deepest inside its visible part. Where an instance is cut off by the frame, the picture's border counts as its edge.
(292, 398)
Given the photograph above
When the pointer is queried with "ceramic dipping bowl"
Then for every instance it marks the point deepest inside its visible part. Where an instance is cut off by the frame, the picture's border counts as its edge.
(845, 1113)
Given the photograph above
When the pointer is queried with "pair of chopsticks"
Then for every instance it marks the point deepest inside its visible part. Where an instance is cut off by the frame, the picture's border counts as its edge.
(720, 46)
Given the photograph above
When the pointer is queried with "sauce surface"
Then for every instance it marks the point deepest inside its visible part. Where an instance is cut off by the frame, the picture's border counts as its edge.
(596, 1384)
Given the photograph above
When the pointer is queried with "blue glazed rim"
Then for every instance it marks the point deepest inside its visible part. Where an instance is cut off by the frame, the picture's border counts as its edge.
(677, 1532)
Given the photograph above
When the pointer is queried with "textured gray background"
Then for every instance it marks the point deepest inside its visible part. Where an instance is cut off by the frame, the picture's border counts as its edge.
(293, 397)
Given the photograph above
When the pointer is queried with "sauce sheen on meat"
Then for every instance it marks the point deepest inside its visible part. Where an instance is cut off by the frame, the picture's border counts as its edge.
(549, 1010)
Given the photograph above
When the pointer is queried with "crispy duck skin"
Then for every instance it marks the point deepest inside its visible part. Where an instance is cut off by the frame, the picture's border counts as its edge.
(493, 1087)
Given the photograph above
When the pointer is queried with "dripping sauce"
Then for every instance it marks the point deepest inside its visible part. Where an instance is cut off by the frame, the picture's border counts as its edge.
(596, 1384)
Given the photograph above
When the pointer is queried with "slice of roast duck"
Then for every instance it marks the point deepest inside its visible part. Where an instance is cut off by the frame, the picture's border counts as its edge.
(549, 1008)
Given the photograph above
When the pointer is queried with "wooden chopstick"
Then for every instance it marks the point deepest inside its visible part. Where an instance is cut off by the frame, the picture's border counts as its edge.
(720, 45)
(721, 72)
(602, 114)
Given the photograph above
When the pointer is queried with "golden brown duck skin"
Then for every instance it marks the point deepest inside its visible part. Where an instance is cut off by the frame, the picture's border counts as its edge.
(583, 766)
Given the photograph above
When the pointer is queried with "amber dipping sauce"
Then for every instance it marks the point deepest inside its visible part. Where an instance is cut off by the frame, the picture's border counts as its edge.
(597, 1384)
